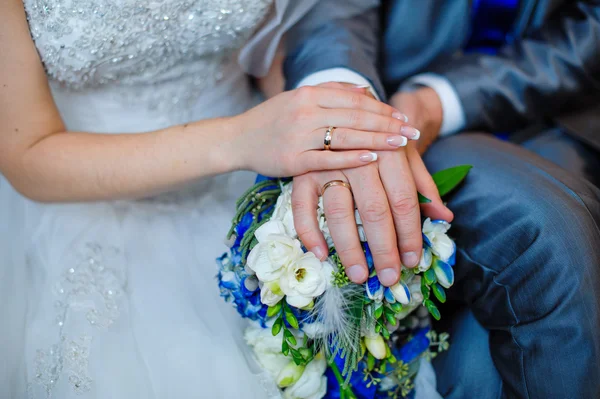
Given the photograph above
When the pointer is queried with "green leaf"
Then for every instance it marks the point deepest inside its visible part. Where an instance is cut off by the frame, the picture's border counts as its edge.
(289, 337)
(285, 348)
(425, 290)
(383, 368)
(446, 180)
(429, 277)
(433, 310)
(385, 333)
(396, 307)
(378, 310)
(423, 199)
(391, 318)
(370, 362)
(277, 326)
(297, 356)
(306, 353)
(290, 318)
(439, 293)
(273, 310)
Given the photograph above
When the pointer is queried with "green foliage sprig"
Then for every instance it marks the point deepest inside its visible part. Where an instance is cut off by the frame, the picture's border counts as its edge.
(255, 200)
(301, 355)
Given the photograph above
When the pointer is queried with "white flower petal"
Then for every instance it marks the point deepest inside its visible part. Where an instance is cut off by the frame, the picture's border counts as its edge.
(269, 228)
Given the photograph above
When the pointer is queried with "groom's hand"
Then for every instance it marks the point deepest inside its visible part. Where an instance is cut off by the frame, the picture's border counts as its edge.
(386, 197)
(424, 110)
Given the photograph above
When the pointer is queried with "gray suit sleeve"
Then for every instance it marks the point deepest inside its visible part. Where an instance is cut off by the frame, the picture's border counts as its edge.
(350, 43)
(552, 71)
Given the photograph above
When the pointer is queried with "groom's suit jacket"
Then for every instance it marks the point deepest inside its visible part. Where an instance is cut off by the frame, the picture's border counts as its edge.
(547, 66)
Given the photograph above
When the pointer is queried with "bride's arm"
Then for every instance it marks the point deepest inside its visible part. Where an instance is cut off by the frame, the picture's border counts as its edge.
(279, 137)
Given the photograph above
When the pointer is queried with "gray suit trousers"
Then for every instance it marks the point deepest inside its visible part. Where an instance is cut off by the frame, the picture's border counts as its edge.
(528, 268)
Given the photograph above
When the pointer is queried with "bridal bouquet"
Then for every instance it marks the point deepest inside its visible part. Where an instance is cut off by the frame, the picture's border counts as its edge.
(317, 334)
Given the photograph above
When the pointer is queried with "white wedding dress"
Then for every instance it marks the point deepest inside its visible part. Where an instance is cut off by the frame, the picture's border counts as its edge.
(118, 299)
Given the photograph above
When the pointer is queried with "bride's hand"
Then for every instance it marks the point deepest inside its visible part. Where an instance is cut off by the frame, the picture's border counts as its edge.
(284, 136)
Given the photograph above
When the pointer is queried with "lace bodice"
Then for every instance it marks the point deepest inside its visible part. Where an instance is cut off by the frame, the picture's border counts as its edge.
(90, 43)
(141, 65)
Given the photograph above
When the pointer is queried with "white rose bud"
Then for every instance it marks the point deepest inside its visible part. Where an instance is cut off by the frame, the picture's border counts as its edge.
(271, 294)
(441, 245)
(304, 279)
(273, 252)
(376, 346)
(267, 349)
(283, 210)
(312, 384)
(289, 375)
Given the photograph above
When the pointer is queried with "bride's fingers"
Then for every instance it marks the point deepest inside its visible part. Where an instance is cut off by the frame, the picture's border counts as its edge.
(332, 160)
(350, 139)
(363, 120)
(305, 199)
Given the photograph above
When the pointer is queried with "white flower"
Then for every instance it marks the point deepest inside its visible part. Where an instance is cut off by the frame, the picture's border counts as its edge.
(270, 293)
(401, 293)
(304, 279)
(416, 298)
(441, 245)
(313, 330)
(426, 259)
(283, 210)
(312, 384)
(273, 252)
(289, 375)
(267, 349)
(376, 345)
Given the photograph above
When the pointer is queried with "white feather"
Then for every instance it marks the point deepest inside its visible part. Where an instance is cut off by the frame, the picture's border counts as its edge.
(331, 311)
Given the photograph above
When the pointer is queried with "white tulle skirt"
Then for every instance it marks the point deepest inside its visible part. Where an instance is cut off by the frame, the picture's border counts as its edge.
(119, 300)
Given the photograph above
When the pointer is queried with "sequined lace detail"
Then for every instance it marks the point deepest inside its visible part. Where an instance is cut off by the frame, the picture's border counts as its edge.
(139, 43)
(93, 285)
(68, 359)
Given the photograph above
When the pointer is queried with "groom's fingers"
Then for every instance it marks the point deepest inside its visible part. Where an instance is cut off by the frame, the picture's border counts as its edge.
(355, 99)
(305, 199)
(377, 222)
(397, 179)
(339, 211)
(425, 185)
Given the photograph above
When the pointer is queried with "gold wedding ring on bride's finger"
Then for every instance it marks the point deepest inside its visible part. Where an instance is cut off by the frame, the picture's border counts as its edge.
(336, 183)
(328, 136)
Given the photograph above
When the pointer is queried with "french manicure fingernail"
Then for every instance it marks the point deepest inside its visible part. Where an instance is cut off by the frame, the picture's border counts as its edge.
(397, 141)
(400, 116)
(388, 277)
(368, 157)
(319, 253)
(409, 259)
(357, 273)
(410, 132)
(361, 86)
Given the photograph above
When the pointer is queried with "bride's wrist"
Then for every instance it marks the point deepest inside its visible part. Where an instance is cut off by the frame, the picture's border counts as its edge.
(212, 146)
(231, 151)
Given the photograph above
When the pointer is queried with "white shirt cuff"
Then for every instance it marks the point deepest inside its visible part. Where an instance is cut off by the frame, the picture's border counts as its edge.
(337, 75)
(453, 114)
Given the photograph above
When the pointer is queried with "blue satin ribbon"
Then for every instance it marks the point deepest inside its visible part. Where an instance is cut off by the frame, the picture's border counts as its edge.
(492, 23)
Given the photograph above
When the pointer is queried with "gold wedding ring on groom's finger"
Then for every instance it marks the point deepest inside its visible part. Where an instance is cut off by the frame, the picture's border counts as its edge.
(328, 136)
(336, 183)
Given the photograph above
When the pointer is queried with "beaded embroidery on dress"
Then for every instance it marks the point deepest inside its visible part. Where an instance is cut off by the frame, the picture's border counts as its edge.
(121, 301)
